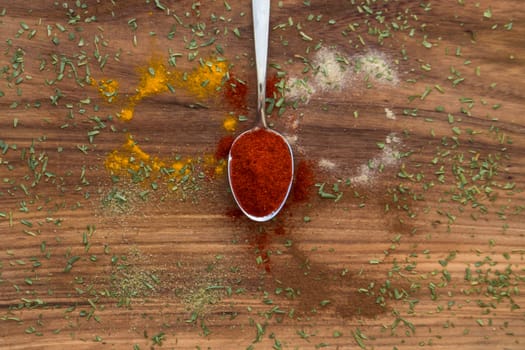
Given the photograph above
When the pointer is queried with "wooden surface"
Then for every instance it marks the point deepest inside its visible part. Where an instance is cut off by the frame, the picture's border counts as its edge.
(427, 252)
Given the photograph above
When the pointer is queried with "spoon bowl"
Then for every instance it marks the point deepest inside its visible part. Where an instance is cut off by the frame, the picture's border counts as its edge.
(260, 161)
(265, 173)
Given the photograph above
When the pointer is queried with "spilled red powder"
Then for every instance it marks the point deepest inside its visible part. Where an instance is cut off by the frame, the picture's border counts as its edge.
(304, 181)
(272, 89)
(234, 213)
(223, 147)
(235, 92)
(279, 230)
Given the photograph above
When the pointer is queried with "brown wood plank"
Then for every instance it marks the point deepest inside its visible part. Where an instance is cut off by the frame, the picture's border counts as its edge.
(419, 137)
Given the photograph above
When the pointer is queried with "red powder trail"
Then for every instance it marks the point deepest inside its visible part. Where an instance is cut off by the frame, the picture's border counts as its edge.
(223, 147)
(272, 90)
(235, 92)
(304, 181)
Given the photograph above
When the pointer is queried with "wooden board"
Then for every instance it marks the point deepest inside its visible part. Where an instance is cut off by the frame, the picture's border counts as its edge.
(410, 118)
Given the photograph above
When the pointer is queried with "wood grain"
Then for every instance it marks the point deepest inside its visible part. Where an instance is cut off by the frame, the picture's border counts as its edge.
(415, 256)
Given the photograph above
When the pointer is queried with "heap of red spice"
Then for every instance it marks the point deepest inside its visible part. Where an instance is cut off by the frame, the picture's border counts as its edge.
(260, 171)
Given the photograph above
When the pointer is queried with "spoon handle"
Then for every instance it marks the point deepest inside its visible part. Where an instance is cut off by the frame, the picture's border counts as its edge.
(261, 27)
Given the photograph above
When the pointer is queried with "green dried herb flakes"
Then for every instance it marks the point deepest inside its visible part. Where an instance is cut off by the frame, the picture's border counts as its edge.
(336, 194)
(359, 338)
(71, 261)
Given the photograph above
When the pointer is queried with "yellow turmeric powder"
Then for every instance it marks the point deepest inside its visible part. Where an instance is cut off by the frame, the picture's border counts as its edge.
(205, 80)
(220, 168)
(108, 89)
(126, 114)
(155, 79)
(131, 157)
(229, 123)
(213, 166)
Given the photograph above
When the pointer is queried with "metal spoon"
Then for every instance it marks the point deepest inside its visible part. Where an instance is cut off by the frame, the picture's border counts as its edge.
(261, 22)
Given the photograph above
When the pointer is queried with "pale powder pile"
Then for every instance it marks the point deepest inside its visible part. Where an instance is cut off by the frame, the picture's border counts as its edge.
(330, 74)
(326, 164)
(299, 90)
(390, 114)
(331, 71)
(389, 156)
(335, 72)
(375, 66)
(291, 138)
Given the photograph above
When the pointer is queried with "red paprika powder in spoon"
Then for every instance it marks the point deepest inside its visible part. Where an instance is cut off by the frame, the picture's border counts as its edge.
(260, 163)
(260, 171)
